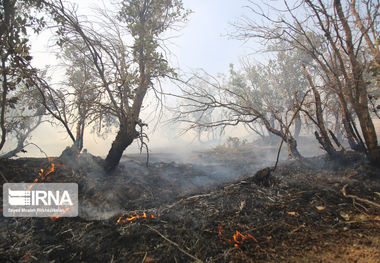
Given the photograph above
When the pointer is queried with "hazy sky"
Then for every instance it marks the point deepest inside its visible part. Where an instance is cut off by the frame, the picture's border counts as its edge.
(202, 43)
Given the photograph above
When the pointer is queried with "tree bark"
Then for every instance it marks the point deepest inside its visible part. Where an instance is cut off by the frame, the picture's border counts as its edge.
(337, 128)
(323, 139)
(3, 105)
(293, 148)
(353, 141)
(287, 138)
(336, 140)
(369, 134)
(297, 126)
(79, 134)
(271, 135)
(126, 135)
(358, 85)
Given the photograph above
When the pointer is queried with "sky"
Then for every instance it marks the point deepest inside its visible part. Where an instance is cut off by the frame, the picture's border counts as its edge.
(203, 43)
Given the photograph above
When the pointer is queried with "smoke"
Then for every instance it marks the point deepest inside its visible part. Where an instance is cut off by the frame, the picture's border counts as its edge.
(135, 186)
(171, 174)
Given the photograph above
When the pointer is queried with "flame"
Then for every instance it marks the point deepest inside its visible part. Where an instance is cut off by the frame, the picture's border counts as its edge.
(135, 217)
(238, 238)
(50, 169)
(220, 234)
(43, 175)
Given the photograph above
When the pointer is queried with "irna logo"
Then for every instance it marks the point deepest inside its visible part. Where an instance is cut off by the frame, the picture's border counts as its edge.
(39, 197)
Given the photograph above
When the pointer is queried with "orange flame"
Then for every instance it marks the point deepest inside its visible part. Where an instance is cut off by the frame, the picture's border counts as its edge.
(220, 231)
(135, 217)
(238, 238)
(43, 175)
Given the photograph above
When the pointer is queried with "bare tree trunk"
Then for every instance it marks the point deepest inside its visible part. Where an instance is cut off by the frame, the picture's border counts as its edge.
(272, 137)
(353, 141)
(337, 128)
(297, 126)
(126, 135)
(369, 134)
(358, 85)
(286, 137)
(294, 149)
(336, 140)
(3, 105)
(79, 135)
(323, 138)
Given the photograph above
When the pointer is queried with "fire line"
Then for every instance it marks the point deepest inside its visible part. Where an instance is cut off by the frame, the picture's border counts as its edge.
(135, 217)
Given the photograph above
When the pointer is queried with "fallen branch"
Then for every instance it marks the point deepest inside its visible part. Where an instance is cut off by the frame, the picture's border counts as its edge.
(354, 197)
(173, 243)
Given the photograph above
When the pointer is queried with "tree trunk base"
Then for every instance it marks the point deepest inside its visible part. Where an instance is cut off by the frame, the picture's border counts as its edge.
(123, 139)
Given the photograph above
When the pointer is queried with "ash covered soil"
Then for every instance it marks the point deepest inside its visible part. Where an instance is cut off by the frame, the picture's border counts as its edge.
(221, 206)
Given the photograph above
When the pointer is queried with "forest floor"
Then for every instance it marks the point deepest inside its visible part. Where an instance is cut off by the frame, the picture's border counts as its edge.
(226, 208)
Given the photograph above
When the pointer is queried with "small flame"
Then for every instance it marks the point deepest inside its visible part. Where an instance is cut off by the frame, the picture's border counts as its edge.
(238, 238)
(50, 169)
(220, 234)
(135, 217)
(43, 175)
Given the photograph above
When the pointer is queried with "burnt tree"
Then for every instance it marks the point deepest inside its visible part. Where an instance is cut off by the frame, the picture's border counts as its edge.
(126, 54)
(341, 38)
(256, 94)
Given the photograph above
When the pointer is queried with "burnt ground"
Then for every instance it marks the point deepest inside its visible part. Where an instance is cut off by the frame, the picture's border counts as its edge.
(217, 210)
